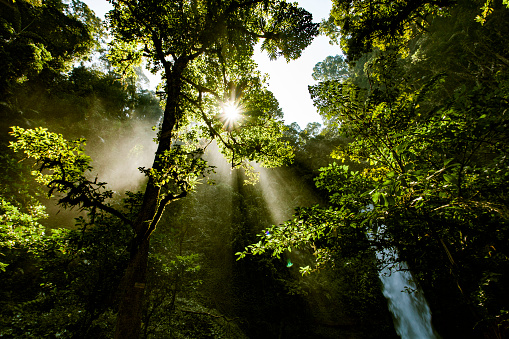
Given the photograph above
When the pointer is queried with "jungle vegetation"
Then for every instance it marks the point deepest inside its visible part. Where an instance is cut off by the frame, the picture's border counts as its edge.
(193, 211)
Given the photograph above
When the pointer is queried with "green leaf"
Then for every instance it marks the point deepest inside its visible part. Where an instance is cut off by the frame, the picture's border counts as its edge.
(376, 196)
(451, 178)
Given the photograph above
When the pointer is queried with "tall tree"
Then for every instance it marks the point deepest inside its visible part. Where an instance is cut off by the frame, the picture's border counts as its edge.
(204, 50)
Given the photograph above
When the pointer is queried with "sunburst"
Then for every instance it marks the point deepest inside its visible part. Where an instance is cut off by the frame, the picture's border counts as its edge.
(231, 115)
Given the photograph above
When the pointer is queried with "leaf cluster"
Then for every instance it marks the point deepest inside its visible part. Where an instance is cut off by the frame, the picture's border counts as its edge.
(48, 37)
(67, 164)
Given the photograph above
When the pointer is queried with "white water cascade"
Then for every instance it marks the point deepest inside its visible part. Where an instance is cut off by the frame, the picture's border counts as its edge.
(411, 313)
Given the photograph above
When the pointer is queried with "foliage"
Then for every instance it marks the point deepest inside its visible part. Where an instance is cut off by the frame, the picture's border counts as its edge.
(68, 282)
(365, 24)
(88, 99)
(43, 39)
(17, 185)
(56, 280)
(67, 164)
(429, 140)
(487, 9)
(66, 160)
(59, 281)
(332, 68)
(17, 229)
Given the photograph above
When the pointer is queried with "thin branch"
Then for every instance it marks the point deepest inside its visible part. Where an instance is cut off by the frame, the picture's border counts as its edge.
(160, 209)
(202, 89)
(213, 131)
(86, 199)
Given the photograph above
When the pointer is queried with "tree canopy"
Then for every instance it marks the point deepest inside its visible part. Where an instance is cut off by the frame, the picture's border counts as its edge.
(45, 38)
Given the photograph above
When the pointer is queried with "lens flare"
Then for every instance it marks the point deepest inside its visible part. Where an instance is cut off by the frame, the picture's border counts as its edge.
(231, 116)
(232, 111)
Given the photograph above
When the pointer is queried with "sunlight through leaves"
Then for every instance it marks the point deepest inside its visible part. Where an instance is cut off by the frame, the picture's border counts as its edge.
(231, 115)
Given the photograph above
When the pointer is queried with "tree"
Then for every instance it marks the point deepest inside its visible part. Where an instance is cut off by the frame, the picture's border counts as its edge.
(204, 49)
(332, 68)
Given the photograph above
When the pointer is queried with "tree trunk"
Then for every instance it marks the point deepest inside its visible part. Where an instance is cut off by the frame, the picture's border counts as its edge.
(133, 287)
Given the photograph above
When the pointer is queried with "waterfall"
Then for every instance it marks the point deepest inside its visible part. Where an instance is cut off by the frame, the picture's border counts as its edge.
(410, 311)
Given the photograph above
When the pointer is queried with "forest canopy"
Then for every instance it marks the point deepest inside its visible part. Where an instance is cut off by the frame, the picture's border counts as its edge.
(422, 98)
(193, 211)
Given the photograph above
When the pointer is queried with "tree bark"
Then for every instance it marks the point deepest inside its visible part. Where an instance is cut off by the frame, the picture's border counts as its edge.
(132, 287)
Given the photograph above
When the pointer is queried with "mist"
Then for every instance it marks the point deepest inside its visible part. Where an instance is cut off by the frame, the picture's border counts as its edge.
(116, 158)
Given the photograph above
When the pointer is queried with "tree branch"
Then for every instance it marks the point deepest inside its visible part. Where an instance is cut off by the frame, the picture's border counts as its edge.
(86, 199)
(160, 209)
(201, 88)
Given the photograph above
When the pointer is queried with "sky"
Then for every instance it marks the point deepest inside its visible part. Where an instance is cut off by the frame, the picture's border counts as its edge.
(288, 81)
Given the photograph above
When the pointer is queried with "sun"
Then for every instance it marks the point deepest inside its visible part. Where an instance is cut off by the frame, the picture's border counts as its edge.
(231, 115)
(231, 111)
